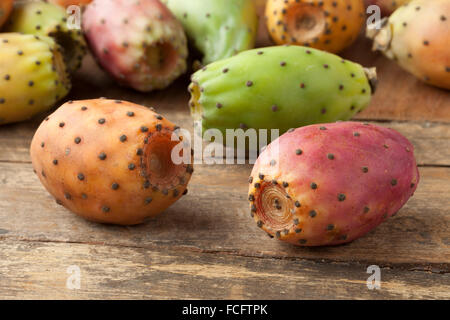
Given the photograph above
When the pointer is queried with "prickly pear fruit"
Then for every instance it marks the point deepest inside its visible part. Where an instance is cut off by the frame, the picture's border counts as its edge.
(417, 36)
(6, 7)
(326, 25)
(45, 19)
(66, 3)
(109, 161)
(278, 88)
(387, 6)
(140, 44)
(330, 184)
(218, 29)
(32, 76)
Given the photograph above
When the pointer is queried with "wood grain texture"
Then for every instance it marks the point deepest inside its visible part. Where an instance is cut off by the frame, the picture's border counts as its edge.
(431, 140)
(214, 217)
(37, 270)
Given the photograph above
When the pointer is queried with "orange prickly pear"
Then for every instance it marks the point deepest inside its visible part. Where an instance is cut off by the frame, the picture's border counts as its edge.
(109, 161)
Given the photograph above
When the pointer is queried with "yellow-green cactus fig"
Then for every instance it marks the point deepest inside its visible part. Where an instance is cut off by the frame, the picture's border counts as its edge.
(32, 76)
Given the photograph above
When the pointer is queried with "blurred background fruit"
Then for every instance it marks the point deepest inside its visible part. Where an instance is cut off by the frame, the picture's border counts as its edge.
(33, 76)
(387, 6)
(327, 25)
(41, 18)
(5, 10)
(217, 28)
(66, 3)
(417, 37)
(141, 45)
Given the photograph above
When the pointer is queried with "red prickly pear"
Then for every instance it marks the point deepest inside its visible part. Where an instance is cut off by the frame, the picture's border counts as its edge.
(109, 161)
(140, 43)
(329, 184)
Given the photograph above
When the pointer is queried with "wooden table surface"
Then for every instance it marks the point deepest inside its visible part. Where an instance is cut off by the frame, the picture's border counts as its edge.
(206, 246)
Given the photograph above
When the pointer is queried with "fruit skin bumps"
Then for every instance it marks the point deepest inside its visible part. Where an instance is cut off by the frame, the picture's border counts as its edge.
(45, 19)
(109, 161)
(6, 7)
(279, 87)
(139, 43)
(417, 37)
(329, 184)
(218, 29)
(326, 25)
(33, 76)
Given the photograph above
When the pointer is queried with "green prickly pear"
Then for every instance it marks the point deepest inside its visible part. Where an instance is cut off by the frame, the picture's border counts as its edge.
(279, 88)
(330, 184)
(417, 36)
(217, 28)
(32, 76)
(46, 19)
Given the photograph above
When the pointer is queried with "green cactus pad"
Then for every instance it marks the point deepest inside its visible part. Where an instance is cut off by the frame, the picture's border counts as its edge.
(217, 28)
(279, 88)
(45, 19)
(32, 76)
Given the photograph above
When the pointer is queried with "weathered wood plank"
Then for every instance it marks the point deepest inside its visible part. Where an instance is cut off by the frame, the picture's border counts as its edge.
(214, 216)
(37, 270)
(431, 140)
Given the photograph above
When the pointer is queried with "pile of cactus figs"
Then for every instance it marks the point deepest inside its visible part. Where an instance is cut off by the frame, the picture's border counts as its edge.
(325, 181)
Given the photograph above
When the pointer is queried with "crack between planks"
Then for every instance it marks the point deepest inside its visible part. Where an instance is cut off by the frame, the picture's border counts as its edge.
(422, 165)
(436, 268)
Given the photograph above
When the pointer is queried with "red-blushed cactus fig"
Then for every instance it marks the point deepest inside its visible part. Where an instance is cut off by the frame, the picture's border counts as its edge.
(329, 184)
(417, 37)
(140, 43)
(387, 6)
(109, 161)
(6, 7)
(326, 25)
